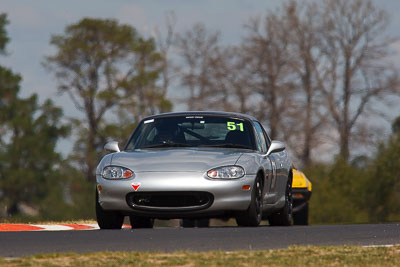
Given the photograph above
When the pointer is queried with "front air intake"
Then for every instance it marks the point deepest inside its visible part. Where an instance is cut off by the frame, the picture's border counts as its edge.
(170, 201)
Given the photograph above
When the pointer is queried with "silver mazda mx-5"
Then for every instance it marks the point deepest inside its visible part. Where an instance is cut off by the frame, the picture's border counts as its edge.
(195, 166)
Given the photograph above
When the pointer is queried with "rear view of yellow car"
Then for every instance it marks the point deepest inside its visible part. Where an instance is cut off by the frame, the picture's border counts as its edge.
(301, 188)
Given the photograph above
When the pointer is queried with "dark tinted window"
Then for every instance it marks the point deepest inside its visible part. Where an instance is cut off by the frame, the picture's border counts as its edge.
(193, 131)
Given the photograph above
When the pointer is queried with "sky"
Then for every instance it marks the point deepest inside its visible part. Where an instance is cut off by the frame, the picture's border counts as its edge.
(32, 22)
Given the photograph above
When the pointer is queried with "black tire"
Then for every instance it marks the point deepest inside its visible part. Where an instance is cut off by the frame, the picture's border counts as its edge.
(252, 217)
(285, 215)
(107, 219)
(190, 223)
(301, 217)
(141, 222)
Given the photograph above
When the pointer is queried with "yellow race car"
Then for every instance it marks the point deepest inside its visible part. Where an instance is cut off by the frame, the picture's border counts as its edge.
(301, 189)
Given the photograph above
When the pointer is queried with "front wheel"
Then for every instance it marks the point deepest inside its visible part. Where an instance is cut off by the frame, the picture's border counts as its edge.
(284, 216)
(252, 217)
(107, 219)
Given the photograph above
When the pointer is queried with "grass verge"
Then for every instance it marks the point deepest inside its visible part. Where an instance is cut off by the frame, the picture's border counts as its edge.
(293, 256)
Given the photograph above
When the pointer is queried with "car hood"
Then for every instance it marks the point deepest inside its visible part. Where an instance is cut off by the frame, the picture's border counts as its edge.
(175, 160)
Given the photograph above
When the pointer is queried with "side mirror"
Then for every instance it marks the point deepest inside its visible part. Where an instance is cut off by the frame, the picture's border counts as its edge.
(276, 146)
(112, 147)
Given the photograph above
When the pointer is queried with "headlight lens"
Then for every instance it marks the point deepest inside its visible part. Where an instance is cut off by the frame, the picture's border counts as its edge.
(227, 172)
(116, 172)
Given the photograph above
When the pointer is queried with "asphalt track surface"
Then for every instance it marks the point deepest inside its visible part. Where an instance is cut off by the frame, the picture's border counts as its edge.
(16, 244)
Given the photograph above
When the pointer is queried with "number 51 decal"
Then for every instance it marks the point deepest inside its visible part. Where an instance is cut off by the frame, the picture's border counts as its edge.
(232, 126)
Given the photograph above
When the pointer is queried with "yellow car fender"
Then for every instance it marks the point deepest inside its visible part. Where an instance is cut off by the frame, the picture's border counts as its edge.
(301, 189)
(300, 180)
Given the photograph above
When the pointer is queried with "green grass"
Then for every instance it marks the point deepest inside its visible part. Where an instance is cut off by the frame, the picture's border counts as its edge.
(293, 256)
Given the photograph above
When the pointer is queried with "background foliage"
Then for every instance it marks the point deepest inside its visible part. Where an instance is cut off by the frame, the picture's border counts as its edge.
(364, 190)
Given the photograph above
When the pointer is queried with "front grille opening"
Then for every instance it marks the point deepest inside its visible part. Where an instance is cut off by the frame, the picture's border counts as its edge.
(170, 199)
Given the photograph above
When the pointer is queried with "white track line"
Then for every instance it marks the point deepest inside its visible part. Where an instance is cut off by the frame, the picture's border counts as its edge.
(53, 227)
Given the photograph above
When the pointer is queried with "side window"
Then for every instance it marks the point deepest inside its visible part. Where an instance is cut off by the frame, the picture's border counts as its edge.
(267, 138)
(261, 144)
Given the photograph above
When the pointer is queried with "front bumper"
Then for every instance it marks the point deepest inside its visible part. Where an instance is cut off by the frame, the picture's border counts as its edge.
(226, 195)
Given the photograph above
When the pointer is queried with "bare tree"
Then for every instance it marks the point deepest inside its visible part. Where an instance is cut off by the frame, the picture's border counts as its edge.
(232, 79)
(303, 30)
(356, 51)
(199, 52)
(165, 44)
(266, 52)
(312, 71)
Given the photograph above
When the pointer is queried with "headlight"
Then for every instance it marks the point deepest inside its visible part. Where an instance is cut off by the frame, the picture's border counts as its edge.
(115, 172)
(227, 172)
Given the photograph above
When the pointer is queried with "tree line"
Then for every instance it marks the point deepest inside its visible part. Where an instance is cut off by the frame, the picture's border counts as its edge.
(316, 73)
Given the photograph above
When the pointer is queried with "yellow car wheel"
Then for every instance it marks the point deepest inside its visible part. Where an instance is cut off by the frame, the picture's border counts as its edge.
(301, 217)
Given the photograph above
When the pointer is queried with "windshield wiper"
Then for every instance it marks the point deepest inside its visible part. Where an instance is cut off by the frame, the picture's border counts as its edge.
(228, 145)
(166, 144)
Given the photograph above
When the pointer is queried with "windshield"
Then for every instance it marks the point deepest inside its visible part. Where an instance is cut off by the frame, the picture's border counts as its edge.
(192, 131)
